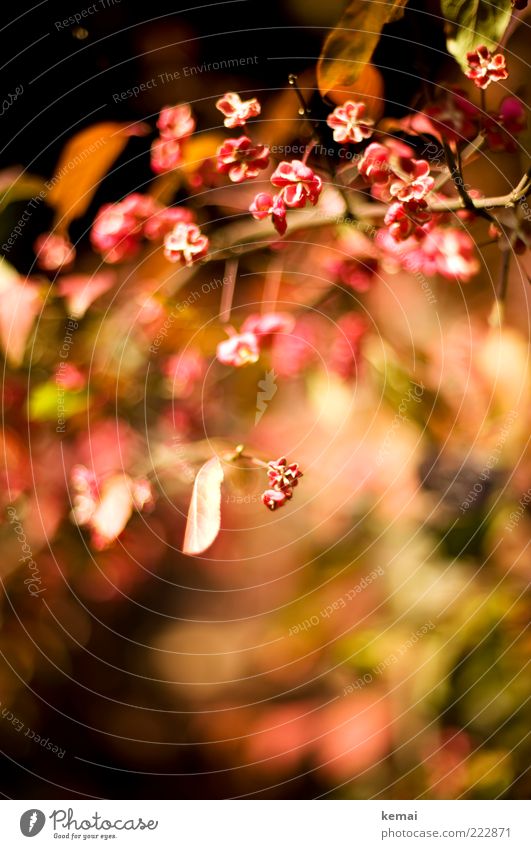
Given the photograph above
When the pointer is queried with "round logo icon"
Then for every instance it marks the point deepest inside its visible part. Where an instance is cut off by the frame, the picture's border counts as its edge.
(31, 822)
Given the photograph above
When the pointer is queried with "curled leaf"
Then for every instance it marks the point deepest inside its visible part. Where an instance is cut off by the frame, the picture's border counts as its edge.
(204, 513)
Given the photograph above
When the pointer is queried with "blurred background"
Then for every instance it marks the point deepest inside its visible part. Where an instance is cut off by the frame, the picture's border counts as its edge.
(371, 639)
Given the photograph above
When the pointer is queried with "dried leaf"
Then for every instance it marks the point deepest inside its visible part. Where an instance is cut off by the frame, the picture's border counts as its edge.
(204, 513)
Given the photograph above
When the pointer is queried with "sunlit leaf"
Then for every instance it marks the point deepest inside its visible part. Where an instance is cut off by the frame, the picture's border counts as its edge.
(204, 513)
(48, 402)
(85, 160)
(469, 24)
(20, 303)
(350, 45)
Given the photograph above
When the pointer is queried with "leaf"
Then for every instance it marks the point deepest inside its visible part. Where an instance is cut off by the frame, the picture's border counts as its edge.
(20, 303)
(204, 513)
(15, 185)
(48, 402)
(85, 160)
(470, 23)
(80, 290)
(350, 45)
(114, 510)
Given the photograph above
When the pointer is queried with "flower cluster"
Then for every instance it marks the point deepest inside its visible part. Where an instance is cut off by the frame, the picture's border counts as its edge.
(119, 228)
(243, 348)
(349, 123)
(237, 111)
(283, 478)
(484, 68)
(394, 175)
(298, 186)
(175, 124)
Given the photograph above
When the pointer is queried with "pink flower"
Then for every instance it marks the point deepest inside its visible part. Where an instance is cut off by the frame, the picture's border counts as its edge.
(283, 476)
(452, 253)
(374, 164)
(484, 68)
(237, 111)
(349, 124)
(241, 159)
(241, 349)
(53, 251)
(298, 183)
(185, 243)
(176, 122)
(165, 219)
(265, 204)
(165, 155)
(268, 324)
(405, 219)
(413, 181)
(117, 229)
(274, 498)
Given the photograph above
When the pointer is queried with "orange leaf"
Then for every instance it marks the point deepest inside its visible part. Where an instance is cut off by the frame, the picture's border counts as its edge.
(204, 513)
(350, 45)
(369, 88)
(85, 160)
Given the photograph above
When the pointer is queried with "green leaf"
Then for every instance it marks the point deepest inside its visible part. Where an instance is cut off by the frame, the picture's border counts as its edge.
(49, 401)
(470, 23)
(351, 44)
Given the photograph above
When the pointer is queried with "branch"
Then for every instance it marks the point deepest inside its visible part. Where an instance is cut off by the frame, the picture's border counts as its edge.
(237, 239)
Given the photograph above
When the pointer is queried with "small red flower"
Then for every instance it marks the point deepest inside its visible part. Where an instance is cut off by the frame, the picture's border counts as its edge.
(413, 181)
(265, 204)
(349, 124)
(176, 122)
(165, 220)
(405, 219)
(237, 111)
(241, 159)
(165, 155)
(283, 478)
(241, 349)
(118, 227)
(274, 498)
(374, 164)
(282, 475)
(298, 183)
(53, 251)
(484, 68)
(185, 243)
